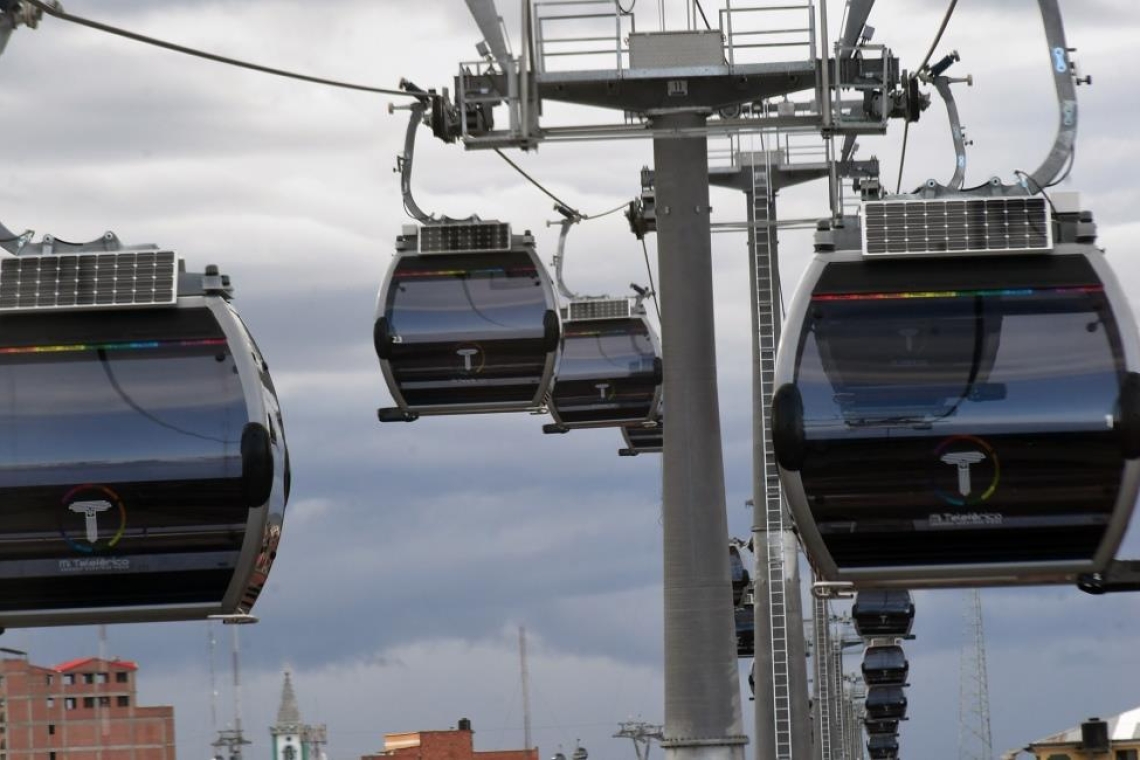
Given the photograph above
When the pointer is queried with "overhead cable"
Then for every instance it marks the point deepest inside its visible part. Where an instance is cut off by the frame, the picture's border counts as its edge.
(99, 26)
(922, 67)
(563, 208)
(938, 37)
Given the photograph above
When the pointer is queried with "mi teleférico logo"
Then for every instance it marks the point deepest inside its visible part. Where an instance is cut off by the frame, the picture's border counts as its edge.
(93, 518)
(968, 470)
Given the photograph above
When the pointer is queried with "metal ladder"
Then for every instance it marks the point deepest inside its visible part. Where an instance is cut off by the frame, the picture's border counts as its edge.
(821, 627)
(768, 334)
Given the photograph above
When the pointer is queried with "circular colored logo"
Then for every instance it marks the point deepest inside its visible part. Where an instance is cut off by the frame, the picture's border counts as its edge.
(966, 470)
(93, 518)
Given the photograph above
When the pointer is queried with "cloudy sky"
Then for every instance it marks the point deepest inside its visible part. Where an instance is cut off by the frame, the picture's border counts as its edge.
(413, 553)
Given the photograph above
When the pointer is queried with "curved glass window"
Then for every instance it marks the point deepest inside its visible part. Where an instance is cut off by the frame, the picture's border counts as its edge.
(961, 426)
(607, 371)
(466, 297)
(468, 329)
(121, 457)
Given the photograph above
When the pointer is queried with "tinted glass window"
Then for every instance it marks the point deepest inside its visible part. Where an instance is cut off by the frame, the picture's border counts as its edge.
(605, 350)
(466, 297)
(121, 457)
(992, 412)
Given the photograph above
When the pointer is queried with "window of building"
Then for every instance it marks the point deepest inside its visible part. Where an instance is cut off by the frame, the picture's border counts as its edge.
(125, 701)
(50, 679)
(100, 678)
(89, 701)
(51, 756)
(1126, 754)
(121, 676)
(51, 729)
(88, 678)
(104, 701)
(69, 679)
(1059, 756)
(69, 703)
(51, 701)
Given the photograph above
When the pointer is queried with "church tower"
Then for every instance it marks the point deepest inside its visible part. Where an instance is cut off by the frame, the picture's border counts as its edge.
(292, 739)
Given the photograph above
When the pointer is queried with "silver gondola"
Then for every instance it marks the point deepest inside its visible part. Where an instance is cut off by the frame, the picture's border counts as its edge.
(466, 322)
(957, 398)
(144, 472)
(609, 367)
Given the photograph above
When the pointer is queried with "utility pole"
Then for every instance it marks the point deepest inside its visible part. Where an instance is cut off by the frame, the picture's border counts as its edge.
(525, 675)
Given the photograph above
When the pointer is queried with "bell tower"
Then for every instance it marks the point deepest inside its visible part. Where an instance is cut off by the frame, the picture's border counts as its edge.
(292, 739)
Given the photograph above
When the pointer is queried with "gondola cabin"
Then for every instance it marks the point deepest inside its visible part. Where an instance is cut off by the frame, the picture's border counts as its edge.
(873, 727)
(885, 665)
(883, 612)
(466, 322)
(958, 401)
(609, 366)
(143, 470)
(643, 439)
(745, 621)
(882, 746)
(885, 703)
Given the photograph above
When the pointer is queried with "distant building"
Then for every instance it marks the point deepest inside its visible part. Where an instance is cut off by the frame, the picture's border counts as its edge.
(85, 709)
(456, 744)
(1117, 738)
(292, 738)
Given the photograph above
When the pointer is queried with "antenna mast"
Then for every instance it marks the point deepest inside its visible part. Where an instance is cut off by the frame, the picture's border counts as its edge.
(974, 741)
(525, 687)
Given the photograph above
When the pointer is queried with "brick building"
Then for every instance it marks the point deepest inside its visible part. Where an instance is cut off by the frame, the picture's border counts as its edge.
(84, 709)
(456, 744)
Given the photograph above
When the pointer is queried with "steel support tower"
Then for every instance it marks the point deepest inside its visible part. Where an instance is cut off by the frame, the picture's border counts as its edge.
(974, 740)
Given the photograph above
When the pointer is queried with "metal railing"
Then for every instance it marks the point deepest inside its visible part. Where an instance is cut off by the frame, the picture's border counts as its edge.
(782, 25)
(588, 31)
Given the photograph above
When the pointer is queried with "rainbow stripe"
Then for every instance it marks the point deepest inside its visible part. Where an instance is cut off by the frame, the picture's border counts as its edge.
(125, 346)
(998, 293)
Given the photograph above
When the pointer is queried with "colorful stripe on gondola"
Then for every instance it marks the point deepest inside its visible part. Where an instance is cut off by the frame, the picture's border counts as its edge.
(987, 293)
(121, 346)
(489, 272)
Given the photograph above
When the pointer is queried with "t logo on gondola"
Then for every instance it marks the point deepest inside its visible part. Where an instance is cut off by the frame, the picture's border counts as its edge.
(976, 470)
(472, 358)
(91, 510)
(98, 506)
(962, 460)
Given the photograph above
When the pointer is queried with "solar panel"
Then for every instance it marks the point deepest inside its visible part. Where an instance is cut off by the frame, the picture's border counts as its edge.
(88, 281)
(466, 236)
(599, 309)
(976, 225)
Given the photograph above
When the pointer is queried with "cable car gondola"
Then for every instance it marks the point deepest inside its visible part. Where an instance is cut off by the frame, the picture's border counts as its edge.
(883, 612)
(883, 746)
(885, 703)
(643, 439)
(885, 665)
(143, 473)
(609, 366)
(873, 727)
(958, 402)
(466, 322)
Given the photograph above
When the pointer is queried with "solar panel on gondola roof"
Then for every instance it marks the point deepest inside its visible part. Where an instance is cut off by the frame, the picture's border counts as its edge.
(145, 475)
